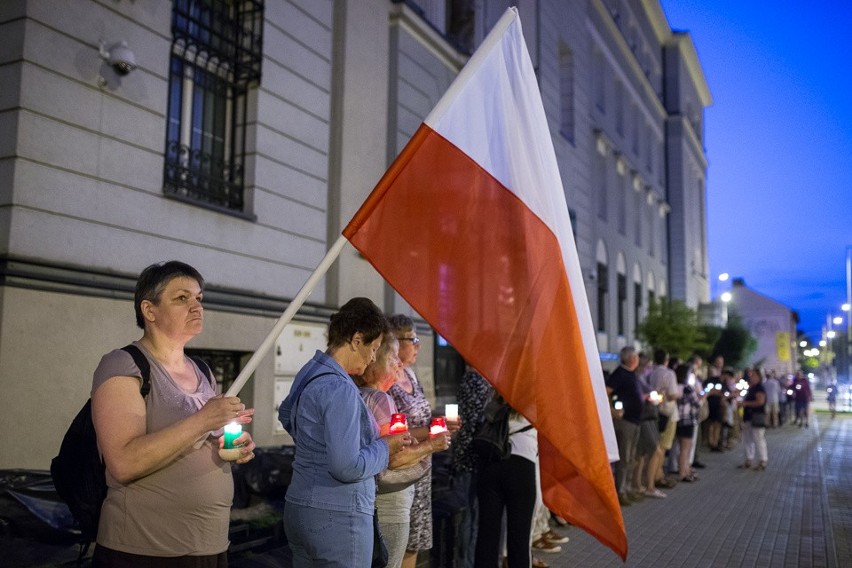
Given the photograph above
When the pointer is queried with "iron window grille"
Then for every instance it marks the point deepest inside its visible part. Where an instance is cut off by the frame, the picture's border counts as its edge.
(217, 49)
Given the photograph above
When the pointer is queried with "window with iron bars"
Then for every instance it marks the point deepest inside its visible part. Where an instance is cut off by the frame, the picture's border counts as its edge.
(217, 48)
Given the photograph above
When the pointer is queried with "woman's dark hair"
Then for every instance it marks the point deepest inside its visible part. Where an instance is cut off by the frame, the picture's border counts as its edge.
(400, 323)
(682, 372)
(155, 278)
(358, 314)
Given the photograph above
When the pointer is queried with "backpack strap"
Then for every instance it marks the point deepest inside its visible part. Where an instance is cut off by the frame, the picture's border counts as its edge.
(205, 368)
(524, 429)
(144, 367)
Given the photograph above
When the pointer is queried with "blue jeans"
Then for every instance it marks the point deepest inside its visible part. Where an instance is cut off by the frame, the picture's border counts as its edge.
(319, 537)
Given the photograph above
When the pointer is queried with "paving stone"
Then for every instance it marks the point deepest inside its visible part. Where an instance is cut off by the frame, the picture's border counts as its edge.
(797, 513)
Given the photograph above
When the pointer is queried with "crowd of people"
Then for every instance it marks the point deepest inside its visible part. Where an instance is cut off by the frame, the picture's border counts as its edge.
(664, 411)
(359, 468)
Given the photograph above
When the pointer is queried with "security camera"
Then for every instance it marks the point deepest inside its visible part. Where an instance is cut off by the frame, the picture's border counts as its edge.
(119, 57)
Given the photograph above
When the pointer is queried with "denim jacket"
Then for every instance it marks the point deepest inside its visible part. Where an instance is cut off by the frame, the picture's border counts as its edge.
(338, 449)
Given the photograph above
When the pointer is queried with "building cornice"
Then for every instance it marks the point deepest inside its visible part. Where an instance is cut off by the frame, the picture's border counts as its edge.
(599, 14)
(81, 281)
(683, 41)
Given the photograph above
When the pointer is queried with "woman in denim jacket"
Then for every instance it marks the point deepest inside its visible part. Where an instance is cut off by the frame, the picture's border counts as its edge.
(328, 516)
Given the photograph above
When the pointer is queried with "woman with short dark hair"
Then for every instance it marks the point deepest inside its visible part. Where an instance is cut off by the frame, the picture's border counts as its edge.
(169, 494)
(328, 515)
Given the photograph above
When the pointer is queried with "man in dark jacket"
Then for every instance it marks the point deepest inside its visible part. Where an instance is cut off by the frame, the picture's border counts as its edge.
(626, 393)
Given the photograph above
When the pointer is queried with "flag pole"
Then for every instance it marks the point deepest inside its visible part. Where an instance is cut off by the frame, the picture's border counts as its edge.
(285, 318)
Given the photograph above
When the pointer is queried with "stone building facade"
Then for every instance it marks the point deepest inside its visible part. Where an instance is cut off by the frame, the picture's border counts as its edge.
(241, 137)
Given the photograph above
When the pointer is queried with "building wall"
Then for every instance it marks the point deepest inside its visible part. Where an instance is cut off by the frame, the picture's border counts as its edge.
(772, 324)
(345, 83)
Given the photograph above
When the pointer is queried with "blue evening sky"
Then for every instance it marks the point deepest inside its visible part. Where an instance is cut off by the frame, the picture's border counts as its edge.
(779, 144)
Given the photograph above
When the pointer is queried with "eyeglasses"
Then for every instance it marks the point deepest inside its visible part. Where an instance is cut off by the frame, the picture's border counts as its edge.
(413, 340)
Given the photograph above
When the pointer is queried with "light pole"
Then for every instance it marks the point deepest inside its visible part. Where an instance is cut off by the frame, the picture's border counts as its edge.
(846, 307)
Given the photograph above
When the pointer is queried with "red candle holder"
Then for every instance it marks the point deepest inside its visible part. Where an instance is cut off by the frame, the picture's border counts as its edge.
(438, 426)
(398, 423)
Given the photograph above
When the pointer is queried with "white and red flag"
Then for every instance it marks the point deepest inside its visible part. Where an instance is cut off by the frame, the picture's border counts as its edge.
(470, 225)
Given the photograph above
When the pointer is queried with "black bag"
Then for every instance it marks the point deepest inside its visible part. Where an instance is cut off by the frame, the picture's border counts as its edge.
(491, 440)
(380, 551)
(662, 422)
(650, 411)
(758, 419)
(78, 470)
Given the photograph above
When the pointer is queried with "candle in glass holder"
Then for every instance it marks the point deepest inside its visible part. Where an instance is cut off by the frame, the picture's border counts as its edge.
(438, 426)
(231, 432)
(398, 423)
(451, 411)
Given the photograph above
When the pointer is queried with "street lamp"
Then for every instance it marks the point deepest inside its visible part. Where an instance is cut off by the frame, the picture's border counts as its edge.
(846, 307)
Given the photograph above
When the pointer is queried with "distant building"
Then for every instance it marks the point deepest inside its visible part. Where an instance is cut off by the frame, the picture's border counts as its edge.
(241, 136)
(771, 323)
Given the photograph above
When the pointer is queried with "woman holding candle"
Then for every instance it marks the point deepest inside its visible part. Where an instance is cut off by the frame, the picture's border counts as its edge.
(687, 410)
(394, 508)
(410, 399)
(328, 515)
(168, 492)
(754, 420)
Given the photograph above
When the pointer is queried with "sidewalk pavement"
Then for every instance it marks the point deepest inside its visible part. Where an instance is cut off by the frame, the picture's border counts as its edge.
(797, 513)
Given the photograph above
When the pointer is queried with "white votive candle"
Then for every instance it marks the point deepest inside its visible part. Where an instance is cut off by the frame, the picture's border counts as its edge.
(451, 412)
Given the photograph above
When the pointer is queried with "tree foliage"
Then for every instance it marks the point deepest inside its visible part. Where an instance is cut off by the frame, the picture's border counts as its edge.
(673, 326)
(736, 344)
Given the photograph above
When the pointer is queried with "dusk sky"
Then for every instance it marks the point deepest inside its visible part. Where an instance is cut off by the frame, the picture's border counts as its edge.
(779, 144)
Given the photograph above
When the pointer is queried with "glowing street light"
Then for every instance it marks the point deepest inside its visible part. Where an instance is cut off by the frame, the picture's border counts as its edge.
(837, 320)
(803, 343)
(823, 343)
(845, 307)
(726, 297)
(831, 334)
(724, 277)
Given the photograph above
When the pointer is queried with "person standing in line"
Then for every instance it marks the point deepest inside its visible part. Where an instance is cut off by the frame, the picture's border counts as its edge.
(773, 393)
(754, 421)
(714, 371)
(169, 494)
(803, 396)
(623, 385)
(687, 409)
(663, 380)
(410, 399)
(508, 486)
(831, 398)
(473, 394)
(329, 509)
(695, 372)
(394, 507)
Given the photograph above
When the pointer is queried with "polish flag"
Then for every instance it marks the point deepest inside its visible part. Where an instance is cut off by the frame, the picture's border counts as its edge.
(471, 227)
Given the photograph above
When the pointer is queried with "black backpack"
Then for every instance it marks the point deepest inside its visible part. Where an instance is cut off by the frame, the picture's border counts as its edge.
(78, 471)
(491, 439)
